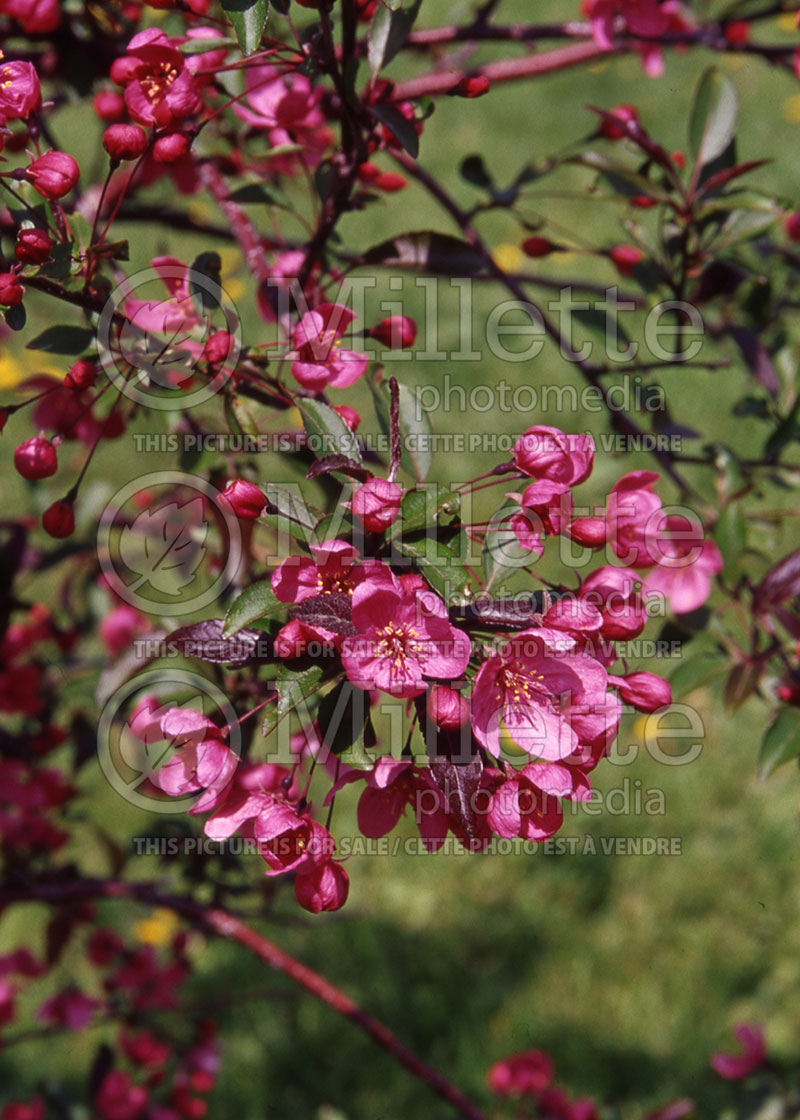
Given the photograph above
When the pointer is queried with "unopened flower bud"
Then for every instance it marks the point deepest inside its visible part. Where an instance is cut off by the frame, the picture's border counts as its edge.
(11, 291)
(81, 374)
(390, 181)
(245, 499)
(217, 348)
(626, 258)
(36, 458)
(377, 503)
(109, 105)
(54, 174)
(791, 226)
(33, 245)
(588, 531)
(291, 641)
(58, 520)
(168, 149)
(124, 141)
(624, 113)
(398, 332)
(642, 690)
(539, 247)
(475, 86)
(447, 707)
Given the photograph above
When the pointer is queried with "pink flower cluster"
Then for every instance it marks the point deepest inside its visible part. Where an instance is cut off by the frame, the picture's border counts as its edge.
(669, 546)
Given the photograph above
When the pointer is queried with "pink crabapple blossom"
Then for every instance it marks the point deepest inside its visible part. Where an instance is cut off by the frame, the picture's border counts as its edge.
(401, 641)
(734, 1067)
(556, 461)
(318, 360)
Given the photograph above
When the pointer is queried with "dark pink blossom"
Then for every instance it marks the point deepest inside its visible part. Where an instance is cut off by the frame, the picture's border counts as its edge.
(160, 89)
(36, 17)
(521, 1075)
(70, 1008)
(733, 1067)
(201, 760)
(402, 640)
(542, 696)
(318, 359)
(287, 106)
(120, 626)
(119, 1098)
(647, 18)
(631, 506)
(685, 563)
(324, 887)
(555, 460)
(336, 567)
(20, 94)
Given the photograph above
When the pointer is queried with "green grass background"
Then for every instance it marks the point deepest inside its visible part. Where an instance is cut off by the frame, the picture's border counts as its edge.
(629, 970)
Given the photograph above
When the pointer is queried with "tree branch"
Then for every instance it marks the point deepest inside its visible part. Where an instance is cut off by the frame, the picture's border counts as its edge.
(219, 922)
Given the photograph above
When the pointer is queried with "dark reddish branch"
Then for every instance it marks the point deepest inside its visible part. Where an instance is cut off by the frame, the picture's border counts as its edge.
(507, 70)
(503, 70)
(242, 228)
(495, 33)
(223, 924)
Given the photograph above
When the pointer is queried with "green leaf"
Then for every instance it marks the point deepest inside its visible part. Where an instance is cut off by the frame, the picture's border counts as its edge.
(422, 507)
(256, 601)
(336, 525)
(621, 178)
(400, 127)
(294, 687)
(787, 430)
(440, 564)
(63, 340)
(387, 33)
(712, 123)
(729, 535)
(473, 169)
(208, 264)
(415, 428)
(249, 18)
(239, 415)
(741, 683)
(696, 671)
(428, 251)
(743, 224)
(781, 742)
(15, 317)
(327, 432)
(501, 550)
(598, 321)
(290, 512)
(264, 193)
(199, 46)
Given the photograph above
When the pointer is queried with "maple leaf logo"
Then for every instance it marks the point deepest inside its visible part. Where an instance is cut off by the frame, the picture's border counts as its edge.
(165, 546)
(146, 758)
(163, 359)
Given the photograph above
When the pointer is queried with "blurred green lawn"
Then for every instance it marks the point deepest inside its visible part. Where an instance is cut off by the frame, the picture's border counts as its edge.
(629, 970)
